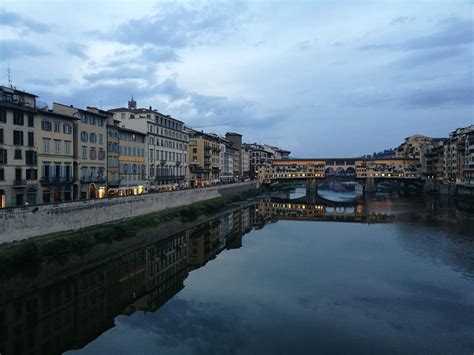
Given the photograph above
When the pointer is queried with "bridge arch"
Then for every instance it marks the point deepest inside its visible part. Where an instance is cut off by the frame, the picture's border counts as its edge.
(329, 171)
(350, 171)
(340, 171)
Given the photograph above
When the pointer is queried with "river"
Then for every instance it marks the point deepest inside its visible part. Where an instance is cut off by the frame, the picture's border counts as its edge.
(279, 276)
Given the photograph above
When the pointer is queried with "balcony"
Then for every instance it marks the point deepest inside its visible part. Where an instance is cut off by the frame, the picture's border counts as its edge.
(89, 179)
(169, 177)
(178, 163)
(162, 162)
(57, 180)
(19, 183)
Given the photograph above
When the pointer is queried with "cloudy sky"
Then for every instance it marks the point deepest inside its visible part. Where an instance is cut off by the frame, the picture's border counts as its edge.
(320, 78)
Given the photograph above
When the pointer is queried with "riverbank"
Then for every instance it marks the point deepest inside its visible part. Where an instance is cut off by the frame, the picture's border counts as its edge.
(27, 255)
(22, 223)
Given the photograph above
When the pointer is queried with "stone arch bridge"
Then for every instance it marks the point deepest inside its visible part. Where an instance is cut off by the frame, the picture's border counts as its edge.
(368, 172)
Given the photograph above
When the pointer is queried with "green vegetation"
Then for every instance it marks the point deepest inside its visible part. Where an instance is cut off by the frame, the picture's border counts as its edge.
(28, 255)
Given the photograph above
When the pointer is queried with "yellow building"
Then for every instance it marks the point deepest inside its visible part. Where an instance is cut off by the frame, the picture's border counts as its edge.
(132, 171)
(204, 158)
(55, 141)
(90, 149)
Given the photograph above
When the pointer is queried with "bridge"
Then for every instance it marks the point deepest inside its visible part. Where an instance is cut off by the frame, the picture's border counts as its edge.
(366, 171)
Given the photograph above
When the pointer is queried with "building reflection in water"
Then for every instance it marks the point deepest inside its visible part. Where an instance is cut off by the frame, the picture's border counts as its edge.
(64, 307)
(50, 313)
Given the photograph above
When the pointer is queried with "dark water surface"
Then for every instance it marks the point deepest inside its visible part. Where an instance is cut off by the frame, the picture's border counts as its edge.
(383, 275)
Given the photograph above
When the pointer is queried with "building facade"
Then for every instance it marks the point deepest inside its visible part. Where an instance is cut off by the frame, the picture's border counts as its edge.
(469, 156)
(204, 158)
(132, 162)
(90, 150)
(55, 137)
(167, 145)
(18, 148)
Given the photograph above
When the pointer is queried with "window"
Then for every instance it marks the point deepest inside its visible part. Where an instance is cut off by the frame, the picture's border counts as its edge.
(3, 156)
(1, 135)
(57, 146)
(31, 120)
(101, 154)
(30, 157)
(46, 145)
(31, 174)
(18, 154)
(46, 126)
(92, 154)
(100, 122)
(2, 174)
(84, 152)
(101, 138)
(31, 139)
(67, 129)
(57, 126)
(84, 136)
(17, 138)
(92, 137)
(3, 115)
(67, 147)
(18, 118)
(122, 115)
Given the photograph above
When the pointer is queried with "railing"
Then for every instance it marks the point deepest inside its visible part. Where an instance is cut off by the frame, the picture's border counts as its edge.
(169, 177)
(19, 182)
(56, 179)
(92, 179)
(162, 162)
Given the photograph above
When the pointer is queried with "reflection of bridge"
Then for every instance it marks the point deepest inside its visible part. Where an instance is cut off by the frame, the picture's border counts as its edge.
(368, 172)
(271, 210)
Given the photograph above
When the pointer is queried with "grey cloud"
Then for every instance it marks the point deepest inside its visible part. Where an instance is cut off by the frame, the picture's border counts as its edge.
(178, 26)
(49, 82)
(10, 49)
(304, 45)
(402, 20)
(110, 94)
(461, 95)
(171, 89)
(451, 32)
(159, 55)
(14, 20)
(77, 49)
(120, 73)
(418, 58)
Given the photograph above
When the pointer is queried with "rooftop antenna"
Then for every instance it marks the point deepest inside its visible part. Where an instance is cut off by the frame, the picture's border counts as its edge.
(9, 77)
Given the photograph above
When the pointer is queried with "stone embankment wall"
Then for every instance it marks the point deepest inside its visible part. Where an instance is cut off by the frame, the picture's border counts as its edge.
(21, 223)
(450, 189)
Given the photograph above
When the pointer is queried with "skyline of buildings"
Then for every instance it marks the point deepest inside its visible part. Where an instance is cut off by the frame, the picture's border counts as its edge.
(67, 153)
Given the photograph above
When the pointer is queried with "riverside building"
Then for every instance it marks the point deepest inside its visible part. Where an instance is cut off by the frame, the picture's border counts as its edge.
(54, 133)
(204, 158)
(166, 145)
(90, 150)
(18, 149)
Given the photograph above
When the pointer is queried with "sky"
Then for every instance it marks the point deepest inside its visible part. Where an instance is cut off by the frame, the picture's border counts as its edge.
(319, 78)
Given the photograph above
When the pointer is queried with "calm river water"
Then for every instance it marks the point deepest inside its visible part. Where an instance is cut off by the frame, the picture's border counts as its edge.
(283, 276)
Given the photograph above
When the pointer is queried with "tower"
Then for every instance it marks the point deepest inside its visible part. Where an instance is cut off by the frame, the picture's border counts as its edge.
(132, 104)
